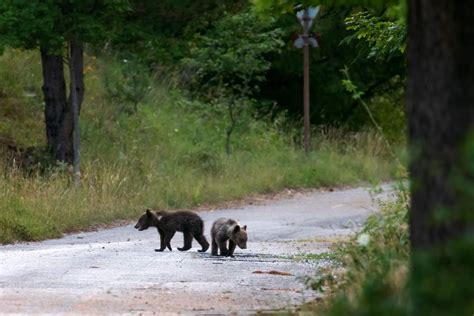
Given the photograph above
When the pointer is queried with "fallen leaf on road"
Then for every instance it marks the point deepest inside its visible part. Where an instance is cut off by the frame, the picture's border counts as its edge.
(281, 289)
(274, 272)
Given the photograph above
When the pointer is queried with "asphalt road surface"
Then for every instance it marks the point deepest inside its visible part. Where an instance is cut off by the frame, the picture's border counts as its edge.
(117, 270)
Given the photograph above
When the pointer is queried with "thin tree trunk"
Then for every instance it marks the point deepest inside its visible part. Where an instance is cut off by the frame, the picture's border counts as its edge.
(75, 100)
(230, 128)
(306, 91)
(67, 123)
(77, 61)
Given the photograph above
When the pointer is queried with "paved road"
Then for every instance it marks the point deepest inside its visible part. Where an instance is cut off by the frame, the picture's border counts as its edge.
(116, 270)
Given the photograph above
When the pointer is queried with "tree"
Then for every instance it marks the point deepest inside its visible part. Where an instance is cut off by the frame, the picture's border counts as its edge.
(57, 26)
(158, 32)
(382, 84)
(385, 39)
(440, 108)
(230, 65)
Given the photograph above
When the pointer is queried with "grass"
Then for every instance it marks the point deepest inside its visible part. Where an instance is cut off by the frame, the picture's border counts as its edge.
(369, 274)
(169, 154)
(313, 256)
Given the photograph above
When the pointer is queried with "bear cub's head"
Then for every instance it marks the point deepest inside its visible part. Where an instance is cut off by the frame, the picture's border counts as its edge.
(145, 221)
(239, 236)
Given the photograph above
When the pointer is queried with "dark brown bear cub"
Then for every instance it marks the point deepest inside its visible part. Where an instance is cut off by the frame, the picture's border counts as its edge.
(168, 223)
(225, 229)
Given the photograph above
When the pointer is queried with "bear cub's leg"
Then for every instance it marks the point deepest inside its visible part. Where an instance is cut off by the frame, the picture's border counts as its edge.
(214, 247)
(231, 248)
(201, 239)
(188, 240)
(166, 241)
(223, 248)
(162, 241)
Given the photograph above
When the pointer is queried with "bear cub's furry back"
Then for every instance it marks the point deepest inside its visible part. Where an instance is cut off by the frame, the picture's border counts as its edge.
(225, 229)
(168, 223)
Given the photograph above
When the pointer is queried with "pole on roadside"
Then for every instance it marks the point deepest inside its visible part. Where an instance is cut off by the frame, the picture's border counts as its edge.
(306, 18)
(307, 125)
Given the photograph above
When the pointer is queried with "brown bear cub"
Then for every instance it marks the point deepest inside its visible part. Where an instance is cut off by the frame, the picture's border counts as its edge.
(225, 229)
(168, 223)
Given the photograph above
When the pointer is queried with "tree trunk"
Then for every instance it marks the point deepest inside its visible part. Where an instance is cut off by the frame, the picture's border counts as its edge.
(54, 90)
(59, 116)
(440, 108)
(230, 128)
(77, 61)
(75, 99)
(440, 111)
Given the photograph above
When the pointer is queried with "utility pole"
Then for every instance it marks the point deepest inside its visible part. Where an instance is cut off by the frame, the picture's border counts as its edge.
(306, 17)
(307, 125)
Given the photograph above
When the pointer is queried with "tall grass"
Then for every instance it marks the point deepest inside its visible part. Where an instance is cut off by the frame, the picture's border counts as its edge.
(170, 153)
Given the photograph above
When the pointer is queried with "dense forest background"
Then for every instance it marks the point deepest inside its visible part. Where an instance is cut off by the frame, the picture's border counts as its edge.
(204, 49)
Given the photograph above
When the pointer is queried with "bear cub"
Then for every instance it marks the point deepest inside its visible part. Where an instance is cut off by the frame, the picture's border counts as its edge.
(225, 229)
(168, 223)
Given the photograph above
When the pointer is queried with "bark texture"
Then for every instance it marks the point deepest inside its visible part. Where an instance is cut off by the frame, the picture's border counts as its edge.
(75, 99)
(54, 91)
(59, 116)
(440, 109)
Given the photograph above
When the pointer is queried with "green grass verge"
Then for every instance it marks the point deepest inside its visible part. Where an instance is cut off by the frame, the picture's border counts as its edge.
(169, 154)
(370, 271)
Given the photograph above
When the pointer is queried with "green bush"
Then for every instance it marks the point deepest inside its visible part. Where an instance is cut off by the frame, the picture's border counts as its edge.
(373, 267)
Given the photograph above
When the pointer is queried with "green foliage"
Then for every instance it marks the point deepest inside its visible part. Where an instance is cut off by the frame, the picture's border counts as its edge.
(443, 272)
(128, 84)
(48, 24)
(357, 96)
(443, 284)
(285, 6)
(230, 66)
(385, 39)
(381, 40)
(330, 103)
(161, 32)
(21, 98)
(28, 23)
(375, 264)
(234, 61)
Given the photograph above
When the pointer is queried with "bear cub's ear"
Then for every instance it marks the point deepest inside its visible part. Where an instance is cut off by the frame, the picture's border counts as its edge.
(236, 228)
(148, 212)
(245, 227)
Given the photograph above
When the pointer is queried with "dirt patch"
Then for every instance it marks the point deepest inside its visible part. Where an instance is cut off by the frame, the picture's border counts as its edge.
(26, 159)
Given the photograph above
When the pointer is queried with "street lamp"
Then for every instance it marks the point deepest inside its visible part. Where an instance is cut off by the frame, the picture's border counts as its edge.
(306, 17)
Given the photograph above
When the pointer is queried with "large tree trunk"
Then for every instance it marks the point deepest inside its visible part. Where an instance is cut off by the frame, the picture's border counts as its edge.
(54, 90)
(59, 116)
(440, 110)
